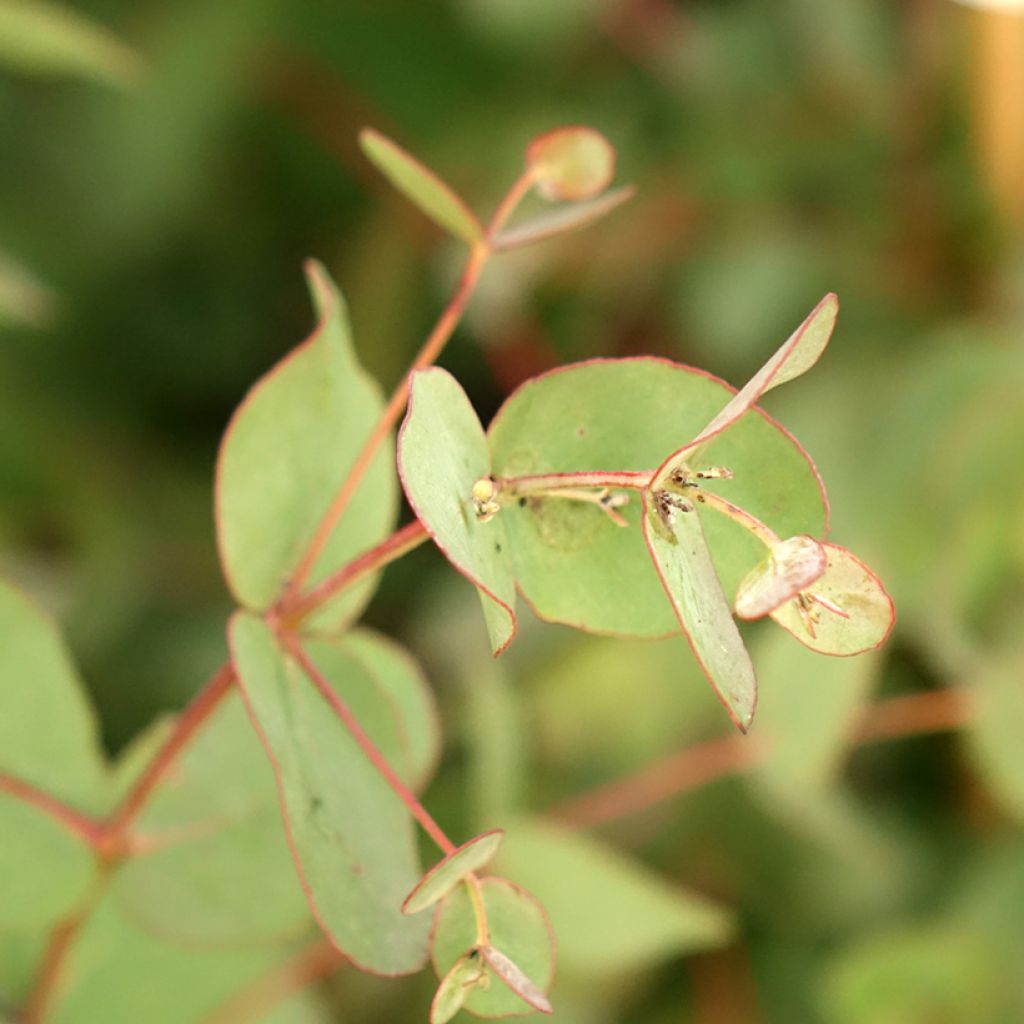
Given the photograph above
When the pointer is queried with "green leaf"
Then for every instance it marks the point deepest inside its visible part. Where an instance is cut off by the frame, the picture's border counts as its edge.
(446, 874)
(518, 928)
(351, 835)
(400, 680)
(48, 730)
(609, 912)
(916, 976)
(48, 739)
(455, 987)
(45, 38)
(572, 564)
(806, 714)
(994, 736)
(20, 955)
(849, 611)
(679, 549)
(562, 219)
(286, 452)
(442, 455)
(44, 870)
(118, 972)
(795, 356)
(213, 864)
(421, 186)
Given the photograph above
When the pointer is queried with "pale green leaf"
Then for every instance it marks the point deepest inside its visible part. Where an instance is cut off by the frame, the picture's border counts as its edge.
(562, 219)
(677, 544)
(446, 874)
(572, 563)
(790, 566)
(47, 38)
(284, 456)
(442, 454)
(421, 186)
(846, 610)
(518, 928)
(794, 357)
(213, 864)
(351, 835)
(609, 912)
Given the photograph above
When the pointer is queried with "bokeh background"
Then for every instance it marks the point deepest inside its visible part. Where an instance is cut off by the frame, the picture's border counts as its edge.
(163, 176)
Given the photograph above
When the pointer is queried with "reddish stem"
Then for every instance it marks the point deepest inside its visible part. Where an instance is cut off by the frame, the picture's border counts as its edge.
(703, 763)
(82, 826)
(315, 961)
(401, 542)
(625, 480)
(52, 965)
(479, 254)
(190, 721)
(369, 748)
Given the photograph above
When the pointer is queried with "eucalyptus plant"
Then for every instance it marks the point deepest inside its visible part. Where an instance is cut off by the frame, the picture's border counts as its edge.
(635, 497)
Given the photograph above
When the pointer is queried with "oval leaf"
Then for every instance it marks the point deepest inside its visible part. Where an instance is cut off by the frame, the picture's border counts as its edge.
(442, 460)
(455, 987)
(212, 863)
(284, 456)
(788, 568)
(846, 611)
(421, 186)
(571, 163)
(675, 539)
(797, 355)
(446, 874)
(351, 836)
(572, 563)
(562, 219)
(611, 913)
(513, 975)
(518, 927)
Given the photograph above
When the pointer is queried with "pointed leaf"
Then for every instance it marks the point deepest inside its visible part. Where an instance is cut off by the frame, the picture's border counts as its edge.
(796, 356)
(515, 978)
(48, 739)
(854, 613)
(213, 864)
(609, 911)
(48, 38)
(572, 163)
(350, 834)
(421, 186)
(455, 987)
(572, 563)
(518, 926)
(446, 874)
(562, 219)
(788, 568)
(284, 456)
(675, 539)
(442, 457)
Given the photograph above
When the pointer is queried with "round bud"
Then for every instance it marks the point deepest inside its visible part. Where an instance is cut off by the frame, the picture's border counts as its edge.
(571, 163)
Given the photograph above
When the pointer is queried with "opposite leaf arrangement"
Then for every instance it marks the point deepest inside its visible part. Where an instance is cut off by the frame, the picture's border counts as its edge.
(586, 476)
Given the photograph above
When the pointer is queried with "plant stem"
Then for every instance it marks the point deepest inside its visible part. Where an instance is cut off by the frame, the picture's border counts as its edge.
(311, 963)
(193, 717)
(751, 523)
(80, 825)
(369, 748)
(400, 543)
(515, 486)
(476, 898)
(709, 761)
(479, 255)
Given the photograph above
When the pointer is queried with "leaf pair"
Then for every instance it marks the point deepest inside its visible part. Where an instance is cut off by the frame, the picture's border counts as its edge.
(847, 613)
(574, 165)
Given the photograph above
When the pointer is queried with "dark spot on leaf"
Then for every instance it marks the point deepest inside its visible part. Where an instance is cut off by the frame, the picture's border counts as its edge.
(497, 547)
(522, 502)
(315, 804)
(581, 431)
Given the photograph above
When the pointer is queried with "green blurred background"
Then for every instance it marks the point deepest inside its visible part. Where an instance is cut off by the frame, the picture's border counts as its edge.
(159, 189)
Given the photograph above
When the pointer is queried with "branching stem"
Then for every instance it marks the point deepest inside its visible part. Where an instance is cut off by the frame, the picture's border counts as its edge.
(82, 826)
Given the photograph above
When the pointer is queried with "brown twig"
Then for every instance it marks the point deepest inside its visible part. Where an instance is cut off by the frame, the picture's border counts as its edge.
(711, 760)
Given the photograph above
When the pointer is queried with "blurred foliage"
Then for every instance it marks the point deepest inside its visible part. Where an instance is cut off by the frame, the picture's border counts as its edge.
(159, 189)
